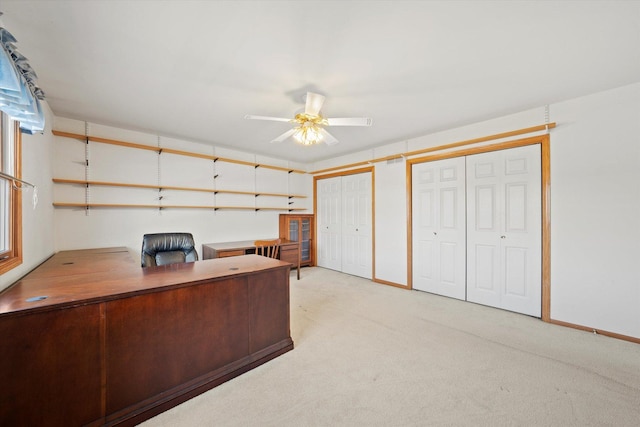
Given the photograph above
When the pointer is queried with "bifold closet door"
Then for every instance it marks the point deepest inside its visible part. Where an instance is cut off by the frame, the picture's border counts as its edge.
(344, 224)
(356, 225)
(504, 229)
(438, 217)
(329, 223)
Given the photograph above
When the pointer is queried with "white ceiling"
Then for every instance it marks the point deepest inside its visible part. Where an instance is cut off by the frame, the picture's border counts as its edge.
(193, 69)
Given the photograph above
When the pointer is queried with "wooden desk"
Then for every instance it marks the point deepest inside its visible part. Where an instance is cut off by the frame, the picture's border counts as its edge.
(120, 344)
(70, 263)
(289, 250)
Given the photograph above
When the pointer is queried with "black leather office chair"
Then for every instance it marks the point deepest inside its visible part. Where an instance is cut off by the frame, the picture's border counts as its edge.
(168, 248)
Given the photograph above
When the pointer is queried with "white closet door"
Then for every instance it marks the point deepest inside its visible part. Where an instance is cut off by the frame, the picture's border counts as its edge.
(329, 223)
(356, 225)
(438, 212)
(504, 229)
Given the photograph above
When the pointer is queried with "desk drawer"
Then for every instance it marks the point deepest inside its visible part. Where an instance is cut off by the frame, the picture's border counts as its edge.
(236, 252)
(289, 255)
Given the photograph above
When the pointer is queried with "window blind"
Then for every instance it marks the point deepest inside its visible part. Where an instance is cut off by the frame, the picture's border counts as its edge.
(19, 94)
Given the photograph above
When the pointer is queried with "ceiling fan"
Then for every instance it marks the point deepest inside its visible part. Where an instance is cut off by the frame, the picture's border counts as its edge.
(309, 125)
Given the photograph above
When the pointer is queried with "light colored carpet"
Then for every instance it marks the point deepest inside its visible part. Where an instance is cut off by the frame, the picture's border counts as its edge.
(372, 355)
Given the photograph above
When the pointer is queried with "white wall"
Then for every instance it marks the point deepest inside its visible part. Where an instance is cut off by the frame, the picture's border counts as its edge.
(77, 228)
(595, 211)
(390, 222)
(37, 224)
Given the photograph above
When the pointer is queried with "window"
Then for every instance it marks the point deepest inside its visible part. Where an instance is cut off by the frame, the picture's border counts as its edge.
(10, 196)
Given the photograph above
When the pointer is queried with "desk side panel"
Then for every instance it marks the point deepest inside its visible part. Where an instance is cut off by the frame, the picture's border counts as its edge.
(159, 341)
(50, 370)
(269, 312)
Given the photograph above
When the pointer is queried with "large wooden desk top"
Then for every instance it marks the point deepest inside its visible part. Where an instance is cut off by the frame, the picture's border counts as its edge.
(73, 277)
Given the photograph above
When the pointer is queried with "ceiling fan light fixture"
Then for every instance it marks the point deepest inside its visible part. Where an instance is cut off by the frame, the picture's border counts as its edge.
(308, 130)
(308, 134)
(309, 126)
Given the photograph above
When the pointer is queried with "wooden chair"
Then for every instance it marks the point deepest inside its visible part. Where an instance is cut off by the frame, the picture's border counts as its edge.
(268, 248)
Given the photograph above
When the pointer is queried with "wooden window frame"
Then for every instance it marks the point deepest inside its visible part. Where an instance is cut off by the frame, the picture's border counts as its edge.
(13, 257)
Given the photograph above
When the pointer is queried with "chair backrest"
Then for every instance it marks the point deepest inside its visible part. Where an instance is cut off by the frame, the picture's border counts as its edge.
(167, 248)
(268, 248)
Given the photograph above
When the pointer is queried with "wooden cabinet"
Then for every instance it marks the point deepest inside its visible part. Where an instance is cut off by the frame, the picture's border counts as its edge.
(299, 228)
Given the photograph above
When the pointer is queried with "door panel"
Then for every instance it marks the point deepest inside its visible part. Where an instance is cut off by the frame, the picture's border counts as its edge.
(484, 272)
(448, 265)
(516, 264)
(357, 224)
(329, 227)
(486, 216)
(504, 229)
(438, 200)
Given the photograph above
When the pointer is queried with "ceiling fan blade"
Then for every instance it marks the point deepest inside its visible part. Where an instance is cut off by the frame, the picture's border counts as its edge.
(277, 119)
(350, 121)
(284, 136)
(313, 104)
(328, 138)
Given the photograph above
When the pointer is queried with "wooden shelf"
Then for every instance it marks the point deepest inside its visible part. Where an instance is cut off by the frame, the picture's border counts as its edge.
(87, 138)
(168, 187)
(215, 208)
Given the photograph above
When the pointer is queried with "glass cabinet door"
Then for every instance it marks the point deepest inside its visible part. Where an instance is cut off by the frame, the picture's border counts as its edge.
(305, 253)
(294, 229)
